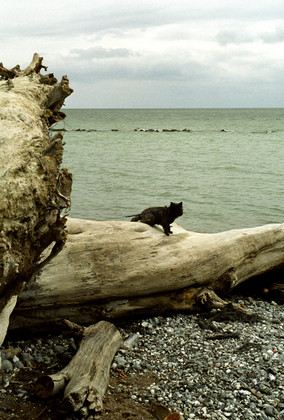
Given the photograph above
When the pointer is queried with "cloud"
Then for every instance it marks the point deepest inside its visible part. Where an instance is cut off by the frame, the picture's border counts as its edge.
(99, 52)
(233, 37)
(177, 50)
(122, 64)
(271, 32)
(51, 18)
(274, 36)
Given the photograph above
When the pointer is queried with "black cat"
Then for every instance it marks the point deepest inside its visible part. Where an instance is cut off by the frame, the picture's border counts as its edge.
(163, 216)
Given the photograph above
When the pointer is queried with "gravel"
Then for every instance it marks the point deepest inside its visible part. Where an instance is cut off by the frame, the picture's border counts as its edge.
(217, 365)
(220, 365)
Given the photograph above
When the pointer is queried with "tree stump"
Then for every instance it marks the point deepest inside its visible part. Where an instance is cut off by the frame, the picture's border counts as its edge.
(34, 191)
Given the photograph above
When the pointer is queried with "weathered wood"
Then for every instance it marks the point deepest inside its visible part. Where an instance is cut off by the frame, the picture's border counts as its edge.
(118, 269)
(85, 379)
(34, 67)
(4, 319)
(34, 191)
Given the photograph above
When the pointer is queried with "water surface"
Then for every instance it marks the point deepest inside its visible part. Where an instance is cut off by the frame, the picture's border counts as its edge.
(227, 167)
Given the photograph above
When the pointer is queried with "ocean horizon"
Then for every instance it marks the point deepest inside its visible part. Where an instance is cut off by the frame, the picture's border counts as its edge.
(225, 164)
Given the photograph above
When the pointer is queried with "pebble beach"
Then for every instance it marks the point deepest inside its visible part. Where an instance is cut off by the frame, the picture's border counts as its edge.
(211, 368)
(224, 364)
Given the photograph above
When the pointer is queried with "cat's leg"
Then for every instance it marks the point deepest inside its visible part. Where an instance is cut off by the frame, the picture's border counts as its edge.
(149, 219)
(167, 229)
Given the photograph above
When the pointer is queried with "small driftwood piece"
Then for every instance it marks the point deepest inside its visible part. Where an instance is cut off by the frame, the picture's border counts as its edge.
(85, 379)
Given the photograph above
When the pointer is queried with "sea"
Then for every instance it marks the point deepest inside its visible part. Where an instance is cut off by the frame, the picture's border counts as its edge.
(225, 165)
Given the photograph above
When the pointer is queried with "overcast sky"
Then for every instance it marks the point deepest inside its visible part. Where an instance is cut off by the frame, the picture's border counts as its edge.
(153, 53)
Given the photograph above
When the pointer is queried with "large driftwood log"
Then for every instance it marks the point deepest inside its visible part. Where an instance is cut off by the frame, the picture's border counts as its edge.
(114, 269)
(85, 379)
(34, 191)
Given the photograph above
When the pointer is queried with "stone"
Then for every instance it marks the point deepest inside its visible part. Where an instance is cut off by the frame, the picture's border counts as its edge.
(269, 410)
(7, 366)
(121, 362)
(59, 349)
(18, 365)
(131, 341)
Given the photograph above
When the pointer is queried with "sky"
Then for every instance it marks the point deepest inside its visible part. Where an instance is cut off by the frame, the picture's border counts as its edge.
(153, 54)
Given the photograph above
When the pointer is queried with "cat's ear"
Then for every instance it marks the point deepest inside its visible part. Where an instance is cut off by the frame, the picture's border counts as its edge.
(180, 204)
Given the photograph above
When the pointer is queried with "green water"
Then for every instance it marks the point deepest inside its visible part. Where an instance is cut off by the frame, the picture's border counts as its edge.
(226, 179)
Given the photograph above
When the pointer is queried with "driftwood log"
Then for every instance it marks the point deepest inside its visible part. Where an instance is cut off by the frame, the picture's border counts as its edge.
(108, 270)
(34, 191)
(104, 270)
(85, 379)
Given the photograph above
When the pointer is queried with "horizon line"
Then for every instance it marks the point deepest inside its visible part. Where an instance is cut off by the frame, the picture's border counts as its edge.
(127, 108)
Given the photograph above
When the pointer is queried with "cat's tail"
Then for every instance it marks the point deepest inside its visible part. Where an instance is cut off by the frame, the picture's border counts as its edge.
(136, 218)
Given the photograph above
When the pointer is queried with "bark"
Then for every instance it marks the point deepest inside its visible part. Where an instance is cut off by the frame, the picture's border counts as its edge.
(34, 191)
(85, 379)
(108, 270)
